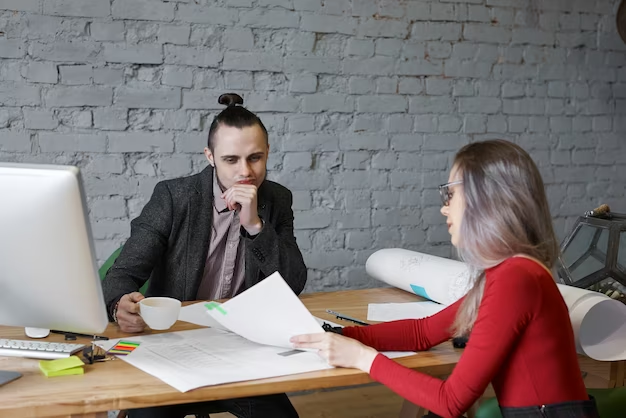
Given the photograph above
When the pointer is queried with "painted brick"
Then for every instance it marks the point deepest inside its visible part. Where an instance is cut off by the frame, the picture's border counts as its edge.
(12, 95)
(328, 24)
(143, 10)
(315, 103)
(65, 51)
(12, 48)
(21, 5)
(145, 54)
(174, 34)
(76, 74)
(77, 8)
(39, 119)
(78, 96)
(110, 119)
(15, 141)
(71, 142)
(140, 142)
(107, 31)
(208, 15)
(40, 72)
(198, 57)
(273, 19)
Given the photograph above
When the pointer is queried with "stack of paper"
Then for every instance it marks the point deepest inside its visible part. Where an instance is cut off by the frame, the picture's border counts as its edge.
(262, 319)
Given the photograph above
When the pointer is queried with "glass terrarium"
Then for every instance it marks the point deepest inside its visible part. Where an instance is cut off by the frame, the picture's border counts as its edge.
(594, 253)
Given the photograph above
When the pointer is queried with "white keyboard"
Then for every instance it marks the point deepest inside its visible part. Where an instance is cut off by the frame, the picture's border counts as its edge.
(45, 350)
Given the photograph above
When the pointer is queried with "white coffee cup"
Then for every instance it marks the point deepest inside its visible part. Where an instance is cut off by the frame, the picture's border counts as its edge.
(159, 313)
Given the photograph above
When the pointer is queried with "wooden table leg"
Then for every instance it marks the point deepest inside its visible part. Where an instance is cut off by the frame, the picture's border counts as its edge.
(618, 374)
(410, 410)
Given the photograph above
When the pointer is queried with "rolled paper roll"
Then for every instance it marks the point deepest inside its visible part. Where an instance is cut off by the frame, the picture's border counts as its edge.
(599, 323)
(436, 278)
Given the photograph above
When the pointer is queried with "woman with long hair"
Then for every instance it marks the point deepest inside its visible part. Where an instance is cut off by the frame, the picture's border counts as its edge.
(521, 335)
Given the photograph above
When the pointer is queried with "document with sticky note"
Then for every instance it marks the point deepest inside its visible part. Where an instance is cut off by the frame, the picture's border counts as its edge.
(62, 367)
(267, 313)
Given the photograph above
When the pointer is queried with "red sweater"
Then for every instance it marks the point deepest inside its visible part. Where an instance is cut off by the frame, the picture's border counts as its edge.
(522, 342)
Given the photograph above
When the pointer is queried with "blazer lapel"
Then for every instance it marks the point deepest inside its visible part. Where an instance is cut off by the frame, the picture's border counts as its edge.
(200, 219)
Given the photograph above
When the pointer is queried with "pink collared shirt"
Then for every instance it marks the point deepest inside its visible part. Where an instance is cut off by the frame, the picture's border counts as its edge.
(225, 263)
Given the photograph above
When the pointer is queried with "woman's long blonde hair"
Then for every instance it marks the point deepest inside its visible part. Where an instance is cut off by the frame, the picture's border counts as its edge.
(506, 213)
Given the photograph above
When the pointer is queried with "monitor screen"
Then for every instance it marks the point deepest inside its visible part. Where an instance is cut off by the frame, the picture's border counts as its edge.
(48, 273)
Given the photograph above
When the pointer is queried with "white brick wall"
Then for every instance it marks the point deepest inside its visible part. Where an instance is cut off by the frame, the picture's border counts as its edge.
(366, 102)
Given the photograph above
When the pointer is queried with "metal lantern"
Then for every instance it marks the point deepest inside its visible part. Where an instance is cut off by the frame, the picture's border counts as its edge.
(594, 254)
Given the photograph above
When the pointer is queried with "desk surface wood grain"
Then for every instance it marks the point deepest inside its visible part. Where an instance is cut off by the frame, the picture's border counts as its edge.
(117, 385)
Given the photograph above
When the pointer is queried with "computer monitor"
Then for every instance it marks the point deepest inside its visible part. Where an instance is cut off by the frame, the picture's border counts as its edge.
(48, 273)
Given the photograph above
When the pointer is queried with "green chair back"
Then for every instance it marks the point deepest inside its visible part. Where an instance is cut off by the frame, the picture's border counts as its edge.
(489, 408)
(109, 262)
(611, 402)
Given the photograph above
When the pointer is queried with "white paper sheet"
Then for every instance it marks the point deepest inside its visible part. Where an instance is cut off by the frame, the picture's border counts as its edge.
(187, 360)
(394, 311)
(267, 313)
(599, 322)
(436, 278)
(197, 314)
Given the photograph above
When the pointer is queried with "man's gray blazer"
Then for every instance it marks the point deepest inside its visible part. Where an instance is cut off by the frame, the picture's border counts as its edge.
(169, 241)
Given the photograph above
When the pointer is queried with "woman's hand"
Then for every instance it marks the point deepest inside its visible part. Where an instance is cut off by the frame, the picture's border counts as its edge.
(338, 350)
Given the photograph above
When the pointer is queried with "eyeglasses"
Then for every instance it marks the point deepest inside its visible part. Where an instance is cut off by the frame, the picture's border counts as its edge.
(444, 192)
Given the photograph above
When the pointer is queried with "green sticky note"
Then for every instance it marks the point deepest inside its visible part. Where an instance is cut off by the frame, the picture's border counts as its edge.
(216, 306)
(62, 367)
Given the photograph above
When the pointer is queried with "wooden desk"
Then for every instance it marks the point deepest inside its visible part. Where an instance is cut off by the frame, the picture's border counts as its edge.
(117, 385)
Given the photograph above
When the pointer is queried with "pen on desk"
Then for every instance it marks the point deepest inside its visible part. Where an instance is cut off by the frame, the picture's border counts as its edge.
(77, 334)
(346, 318)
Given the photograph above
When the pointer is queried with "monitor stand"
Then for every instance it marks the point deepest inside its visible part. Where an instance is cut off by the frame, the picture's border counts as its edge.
(7, 376)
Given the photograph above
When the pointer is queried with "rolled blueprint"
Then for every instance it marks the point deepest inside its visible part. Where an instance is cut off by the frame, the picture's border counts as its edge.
(599, 322)
(436, 278)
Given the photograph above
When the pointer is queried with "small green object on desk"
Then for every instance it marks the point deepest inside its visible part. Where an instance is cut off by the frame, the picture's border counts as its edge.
(62, 367)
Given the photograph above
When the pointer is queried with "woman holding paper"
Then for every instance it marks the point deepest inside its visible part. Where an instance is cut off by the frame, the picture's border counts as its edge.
(521, 336)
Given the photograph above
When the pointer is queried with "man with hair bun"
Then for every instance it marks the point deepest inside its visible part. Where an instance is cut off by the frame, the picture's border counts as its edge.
(211, 236)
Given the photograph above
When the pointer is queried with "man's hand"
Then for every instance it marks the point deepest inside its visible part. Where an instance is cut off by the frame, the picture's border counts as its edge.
(128, 313)
(243, 198)
(338, 350)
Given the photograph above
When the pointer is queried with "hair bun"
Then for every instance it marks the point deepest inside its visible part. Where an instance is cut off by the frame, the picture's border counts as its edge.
(230, 99)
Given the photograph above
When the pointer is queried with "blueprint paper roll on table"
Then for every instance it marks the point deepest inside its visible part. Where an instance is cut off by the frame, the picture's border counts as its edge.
(599, 323)
(435, 278)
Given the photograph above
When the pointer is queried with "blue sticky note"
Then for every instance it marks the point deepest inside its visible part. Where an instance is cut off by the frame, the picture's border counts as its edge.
(420, 291)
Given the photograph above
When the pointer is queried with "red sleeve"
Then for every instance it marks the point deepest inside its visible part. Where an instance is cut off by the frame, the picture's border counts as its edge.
(407, 334)
(507, 305)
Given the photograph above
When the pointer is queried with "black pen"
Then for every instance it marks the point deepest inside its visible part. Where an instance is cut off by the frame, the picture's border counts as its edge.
(346, 318)
(77, 334)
